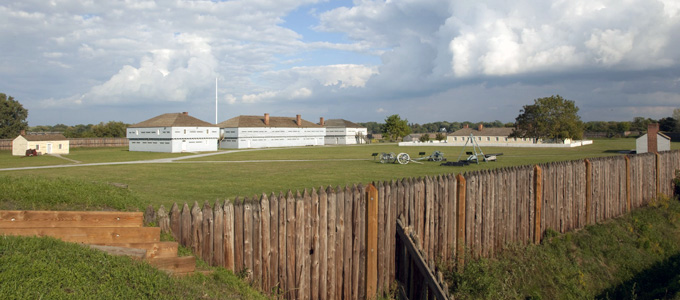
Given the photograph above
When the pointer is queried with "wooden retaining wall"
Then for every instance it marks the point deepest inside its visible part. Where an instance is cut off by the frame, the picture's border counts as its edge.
(311, 244)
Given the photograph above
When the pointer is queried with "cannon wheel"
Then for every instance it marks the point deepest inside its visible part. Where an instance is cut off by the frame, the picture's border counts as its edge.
(403, 158)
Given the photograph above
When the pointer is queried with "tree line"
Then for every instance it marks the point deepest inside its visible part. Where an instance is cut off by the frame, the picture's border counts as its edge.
(110, 129)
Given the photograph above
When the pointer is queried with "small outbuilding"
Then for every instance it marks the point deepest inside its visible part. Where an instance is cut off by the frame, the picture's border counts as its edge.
(653, 141)
(43, 143)
(343, 132)
(173, 132)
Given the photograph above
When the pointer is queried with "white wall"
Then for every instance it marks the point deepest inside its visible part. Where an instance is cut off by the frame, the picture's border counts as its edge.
(489, 140)
(264, 137)
(173, 139)
(343, 136)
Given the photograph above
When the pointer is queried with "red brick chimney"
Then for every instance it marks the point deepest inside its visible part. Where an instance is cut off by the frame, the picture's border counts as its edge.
(652, 131)
(266, 119)
(480, 127)
(298, 120)
(185, 113)
(321, 121)
(23, 132)
(465, 126)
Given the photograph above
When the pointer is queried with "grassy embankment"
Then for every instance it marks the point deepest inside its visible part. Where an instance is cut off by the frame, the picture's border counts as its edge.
(251, 172)
(633, 257)
(46, 268)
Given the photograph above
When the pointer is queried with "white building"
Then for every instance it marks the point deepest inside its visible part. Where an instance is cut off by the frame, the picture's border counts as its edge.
(652, 141)
(486, 136)
(174, 132)
(265, 131)
(343, 132)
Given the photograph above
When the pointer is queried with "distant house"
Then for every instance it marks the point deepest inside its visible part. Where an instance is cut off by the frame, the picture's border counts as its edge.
(343, 132)
(653, 141)
(265, 131)
(486, 136)
(173, 132)
(42, 143)
(415, 137)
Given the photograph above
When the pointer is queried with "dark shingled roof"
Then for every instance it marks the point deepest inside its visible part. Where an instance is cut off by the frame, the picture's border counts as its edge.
(341, 123)
(172, 119)
(258, 121)
(44, 137)
(505, 131)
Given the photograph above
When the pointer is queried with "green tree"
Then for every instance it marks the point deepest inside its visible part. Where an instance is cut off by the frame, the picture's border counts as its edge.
(395, 127)
(440, 136)
(12, 117)
(424, 138)
(549, 118)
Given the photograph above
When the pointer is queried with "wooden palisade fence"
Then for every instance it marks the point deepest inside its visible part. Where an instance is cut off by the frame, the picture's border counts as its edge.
(312, 244)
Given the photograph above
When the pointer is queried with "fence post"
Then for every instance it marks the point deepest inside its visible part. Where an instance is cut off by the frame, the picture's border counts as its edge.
(538, 201)
(371, 241)
(628, 204)
(460, 235)
(658, 173)
(589, 189)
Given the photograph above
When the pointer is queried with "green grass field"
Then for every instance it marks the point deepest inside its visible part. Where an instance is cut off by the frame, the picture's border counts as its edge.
(253, 172)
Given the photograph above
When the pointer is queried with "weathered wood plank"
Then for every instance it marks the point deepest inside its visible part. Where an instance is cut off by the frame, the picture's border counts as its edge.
(356, 235)
(91, 235)
(218, 240)
(196, 229)
(248, 236)
(324, 246)
(347, 251)
(291, 257)
(186, 226)
(176, 222)
(316, 245)
(274, 243)
(382, 235)
(372, 223)
(208, 232)
(329, 229)
(283, 247)
(299, 245)
(339, 243)
(162, 217)
(265, 244)
(460, 220)
(256, 242)
(229, 235)
(307, 250)
(361, 189)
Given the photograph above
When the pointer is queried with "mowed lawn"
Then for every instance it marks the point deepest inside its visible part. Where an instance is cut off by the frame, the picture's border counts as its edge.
(253, 172)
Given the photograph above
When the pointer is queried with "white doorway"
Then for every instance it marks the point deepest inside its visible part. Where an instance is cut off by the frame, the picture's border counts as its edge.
(49, 148)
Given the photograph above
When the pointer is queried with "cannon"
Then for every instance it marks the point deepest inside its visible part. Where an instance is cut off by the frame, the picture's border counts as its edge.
(435, 156)
(401, 158)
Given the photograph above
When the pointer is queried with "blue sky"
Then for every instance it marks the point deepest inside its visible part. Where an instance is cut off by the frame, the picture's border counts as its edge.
(76, 62)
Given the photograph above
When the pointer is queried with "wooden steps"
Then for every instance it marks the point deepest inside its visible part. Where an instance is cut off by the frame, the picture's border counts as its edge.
(117, 233)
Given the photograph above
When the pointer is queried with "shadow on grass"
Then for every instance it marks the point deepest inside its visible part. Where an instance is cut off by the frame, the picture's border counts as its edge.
(661, 281)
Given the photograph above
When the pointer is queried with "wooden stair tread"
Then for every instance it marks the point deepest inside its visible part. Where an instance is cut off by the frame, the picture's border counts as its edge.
(182, 264)
(91, 235)
(41, 219)
(153, 249)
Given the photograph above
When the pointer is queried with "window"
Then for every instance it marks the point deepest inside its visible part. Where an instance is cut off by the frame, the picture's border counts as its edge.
(488, 138)
(497, 139)
(158, 132)
(37, 147)
(506, 139)
(185, 131)
(59, 146)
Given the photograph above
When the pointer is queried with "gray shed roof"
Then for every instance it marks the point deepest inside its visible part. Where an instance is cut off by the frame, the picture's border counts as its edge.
(258, 121)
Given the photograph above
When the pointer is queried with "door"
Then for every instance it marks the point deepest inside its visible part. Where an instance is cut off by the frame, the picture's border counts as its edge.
(49, 148)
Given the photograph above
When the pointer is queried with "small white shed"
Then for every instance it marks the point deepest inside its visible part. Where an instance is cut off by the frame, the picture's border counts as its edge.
(43, 143)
